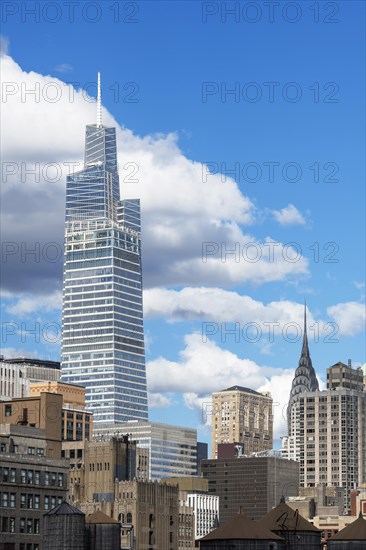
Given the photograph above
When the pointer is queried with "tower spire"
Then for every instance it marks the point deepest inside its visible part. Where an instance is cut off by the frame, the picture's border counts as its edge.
(305, 346)
(99, 103)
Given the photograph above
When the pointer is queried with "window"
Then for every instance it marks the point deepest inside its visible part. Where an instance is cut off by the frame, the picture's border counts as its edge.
(7, 410)
(11, 525)
(30, 476)
(12, 500)
(37, 476)
(23, 476)
(40, 452)
(36, 526)
(12, 475)
(23, 500)
(2, 447)
(30, 502)
(31, 450)
(46, 478)
(37, 499)
(46, 502)
(60, 480)
(22, 525)
(29, 525)
(5, 500)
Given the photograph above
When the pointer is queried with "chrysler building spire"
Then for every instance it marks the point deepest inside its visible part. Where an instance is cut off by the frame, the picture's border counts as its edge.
(305, 378)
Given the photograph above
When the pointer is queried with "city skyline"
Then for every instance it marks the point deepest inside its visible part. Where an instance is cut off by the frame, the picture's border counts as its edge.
(216, 171)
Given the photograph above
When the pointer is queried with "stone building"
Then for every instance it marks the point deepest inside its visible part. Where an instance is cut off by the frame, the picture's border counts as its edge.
(148, 512)
(244, 416)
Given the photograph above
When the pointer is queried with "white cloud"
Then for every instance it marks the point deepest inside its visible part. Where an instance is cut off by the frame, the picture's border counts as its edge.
(289, 216)
(181, 211)
(216, 304)
(205, 367)
(159, 400)
(349, 316)
(27, 305)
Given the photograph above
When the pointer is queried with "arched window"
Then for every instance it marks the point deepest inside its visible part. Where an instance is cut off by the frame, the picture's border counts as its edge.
(129, 517)
(121, 518)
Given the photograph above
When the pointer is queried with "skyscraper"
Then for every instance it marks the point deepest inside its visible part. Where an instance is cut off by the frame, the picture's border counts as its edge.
(242, 415)
(333, 432)
(102, 314)
(305, 380)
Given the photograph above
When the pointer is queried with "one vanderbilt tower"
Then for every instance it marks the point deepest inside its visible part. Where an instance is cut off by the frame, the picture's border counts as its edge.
(102, 315)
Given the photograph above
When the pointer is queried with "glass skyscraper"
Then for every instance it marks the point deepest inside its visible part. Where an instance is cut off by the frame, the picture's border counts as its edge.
(102, 315)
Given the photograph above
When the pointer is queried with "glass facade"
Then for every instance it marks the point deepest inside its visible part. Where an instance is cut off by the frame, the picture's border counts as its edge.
(102, 314)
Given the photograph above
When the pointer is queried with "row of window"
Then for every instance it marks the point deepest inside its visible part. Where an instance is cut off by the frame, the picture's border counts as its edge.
(31, 477)
(99, 466)
(9, 525)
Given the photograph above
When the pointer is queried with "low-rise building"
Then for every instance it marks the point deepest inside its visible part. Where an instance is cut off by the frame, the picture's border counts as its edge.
(33, 476)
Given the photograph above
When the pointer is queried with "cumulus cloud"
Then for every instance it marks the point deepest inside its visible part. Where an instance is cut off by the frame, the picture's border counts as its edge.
(27, 305)
(204, 367)
(159, 400)
(289, 216)
(349, 316)
(190, 225)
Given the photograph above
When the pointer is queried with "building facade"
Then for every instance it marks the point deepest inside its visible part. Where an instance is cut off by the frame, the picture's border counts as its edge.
(333, 433)
(172, 449)
(102, 313)
(147, 511)
(252, 485)
(242, 415)
(16, 375)
(97, 465)
(33, 476)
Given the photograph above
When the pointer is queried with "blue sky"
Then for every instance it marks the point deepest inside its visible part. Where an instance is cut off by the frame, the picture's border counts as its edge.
(298, 109)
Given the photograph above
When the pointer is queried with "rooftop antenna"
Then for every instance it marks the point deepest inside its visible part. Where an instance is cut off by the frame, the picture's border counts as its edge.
(99, 104)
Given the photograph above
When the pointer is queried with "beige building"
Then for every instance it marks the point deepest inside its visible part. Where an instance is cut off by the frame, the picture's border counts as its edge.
(77, 424)
(242, 415)
(43, 412)
(148, 512)
(333, 433)
(96, 465)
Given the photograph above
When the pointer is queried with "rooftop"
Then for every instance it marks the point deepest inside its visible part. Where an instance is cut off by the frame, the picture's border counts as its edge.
(284, 518)
(242, 389)
(100, 518)
(241, 528)
(354, 531)
(32, 362)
